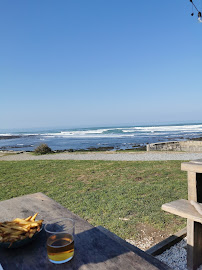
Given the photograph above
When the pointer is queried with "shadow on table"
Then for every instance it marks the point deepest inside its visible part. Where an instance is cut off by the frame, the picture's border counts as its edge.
(93, 250)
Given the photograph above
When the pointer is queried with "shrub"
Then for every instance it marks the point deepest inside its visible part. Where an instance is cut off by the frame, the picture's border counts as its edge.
(43, 149)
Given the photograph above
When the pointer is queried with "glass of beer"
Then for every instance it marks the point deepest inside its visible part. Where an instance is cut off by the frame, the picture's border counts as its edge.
(60, 240)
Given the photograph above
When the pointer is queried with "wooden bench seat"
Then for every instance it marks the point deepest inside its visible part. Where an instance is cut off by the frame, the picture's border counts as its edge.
(182, 208)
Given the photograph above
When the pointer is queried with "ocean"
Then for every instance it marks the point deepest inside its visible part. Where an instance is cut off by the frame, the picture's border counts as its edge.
(87, 138)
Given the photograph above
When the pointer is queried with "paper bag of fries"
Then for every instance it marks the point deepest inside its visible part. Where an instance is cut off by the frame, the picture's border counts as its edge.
(19, 231)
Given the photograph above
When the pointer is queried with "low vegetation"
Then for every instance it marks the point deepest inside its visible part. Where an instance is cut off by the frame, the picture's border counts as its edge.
(117, 195)
(42, 149)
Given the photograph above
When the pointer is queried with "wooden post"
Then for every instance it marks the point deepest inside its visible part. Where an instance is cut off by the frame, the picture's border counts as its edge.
(194, 244)
(192, 193)
(194, 229)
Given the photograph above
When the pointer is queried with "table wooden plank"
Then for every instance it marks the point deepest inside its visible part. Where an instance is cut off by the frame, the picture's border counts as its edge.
(135, 249)
(93, 249)
(182, 208)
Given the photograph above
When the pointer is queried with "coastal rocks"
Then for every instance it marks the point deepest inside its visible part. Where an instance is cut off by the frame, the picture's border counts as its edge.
(196, 139)
(14, 146)
(10, 137)
(90, 149)
(101, 148)
(70, 150)
(7, 137)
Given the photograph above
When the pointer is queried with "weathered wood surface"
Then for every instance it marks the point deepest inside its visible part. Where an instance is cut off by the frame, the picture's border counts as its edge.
(194, 244)
(192, 166)
(93, 249)
(167, 243)
(135, 249)
(182, 208)
(192, 191)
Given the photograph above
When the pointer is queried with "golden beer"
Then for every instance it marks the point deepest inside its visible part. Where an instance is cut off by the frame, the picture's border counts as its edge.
(60, 247)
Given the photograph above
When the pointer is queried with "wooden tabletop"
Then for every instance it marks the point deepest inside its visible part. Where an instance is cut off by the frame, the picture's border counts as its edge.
(93, 248)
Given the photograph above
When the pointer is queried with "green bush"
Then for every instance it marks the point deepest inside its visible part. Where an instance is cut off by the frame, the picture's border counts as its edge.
(42, 149)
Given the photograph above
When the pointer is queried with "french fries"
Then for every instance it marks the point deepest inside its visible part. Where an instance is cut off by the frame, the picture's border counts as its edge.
(19, 229)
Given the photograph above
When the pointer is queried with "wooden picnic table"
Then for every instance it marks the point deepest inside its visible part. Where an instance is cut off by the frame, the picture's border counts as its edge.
(95, 247)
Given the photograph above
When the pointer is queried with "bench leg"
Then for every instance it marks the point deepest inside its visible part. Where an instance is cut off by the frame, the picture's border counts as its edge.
(194, 244)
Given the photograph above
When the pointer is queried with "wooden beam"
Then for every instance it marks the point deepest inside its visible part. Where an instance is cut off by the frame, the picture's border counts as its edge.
(194, 244)
(192, 166)
(182, 208)
(192, 192)
(167, 243)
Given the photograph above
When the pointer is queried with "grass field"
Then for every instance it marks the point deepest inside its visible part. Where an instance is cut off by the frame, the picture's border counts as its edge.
(121, 196)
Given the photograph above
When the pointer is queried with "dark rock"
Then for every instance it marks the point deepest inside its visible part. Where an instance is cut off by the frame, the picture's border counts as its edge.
(14, 146)
(10, 137)
(102, 148)
(7, 137)
(196, 139)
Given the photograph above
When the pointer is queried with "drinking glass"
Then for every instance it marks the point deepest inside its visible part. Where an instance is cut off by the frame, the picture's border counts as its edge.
(60, 240)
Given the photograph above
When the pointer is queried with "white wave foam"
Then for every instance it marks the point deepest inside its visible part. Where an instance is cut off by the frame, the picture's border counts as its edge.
(126, 132)
(20, 134)
(77, 133)
(188, 128)
(89, 135)
(191, 128)
(119, 132)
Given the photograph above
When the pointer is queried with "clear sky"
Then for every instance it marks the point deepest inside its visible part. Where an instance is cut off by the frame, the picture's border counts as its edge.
(99, 62)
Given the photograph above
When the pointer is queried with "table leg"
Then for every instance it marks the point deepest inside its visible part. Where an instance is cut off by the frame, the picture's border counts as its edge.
(194, 244)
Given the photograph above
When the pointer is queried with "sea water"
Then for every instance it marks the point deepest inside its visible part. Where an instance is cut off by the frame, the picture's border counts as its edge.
(84, 138)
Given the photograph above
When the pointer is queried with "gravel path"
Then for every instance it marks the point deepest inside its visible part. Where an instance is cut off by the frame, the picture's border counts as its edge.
(131, 156)
(176, 256)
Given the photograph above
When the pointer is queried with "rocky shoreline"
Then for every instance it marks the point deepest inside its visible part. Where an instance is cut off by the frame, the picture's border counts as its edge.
(134, 146)
(14, 148)
(7, 137)
(91, 149)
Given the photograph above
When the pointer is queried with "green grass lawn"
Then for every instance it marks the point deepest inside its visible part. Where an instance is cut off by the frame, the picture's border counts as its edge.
(103, 192)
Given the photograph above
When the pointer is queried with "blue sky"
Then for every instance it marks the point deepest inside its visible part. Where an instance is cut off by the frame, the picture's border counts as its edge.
(74, 63)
